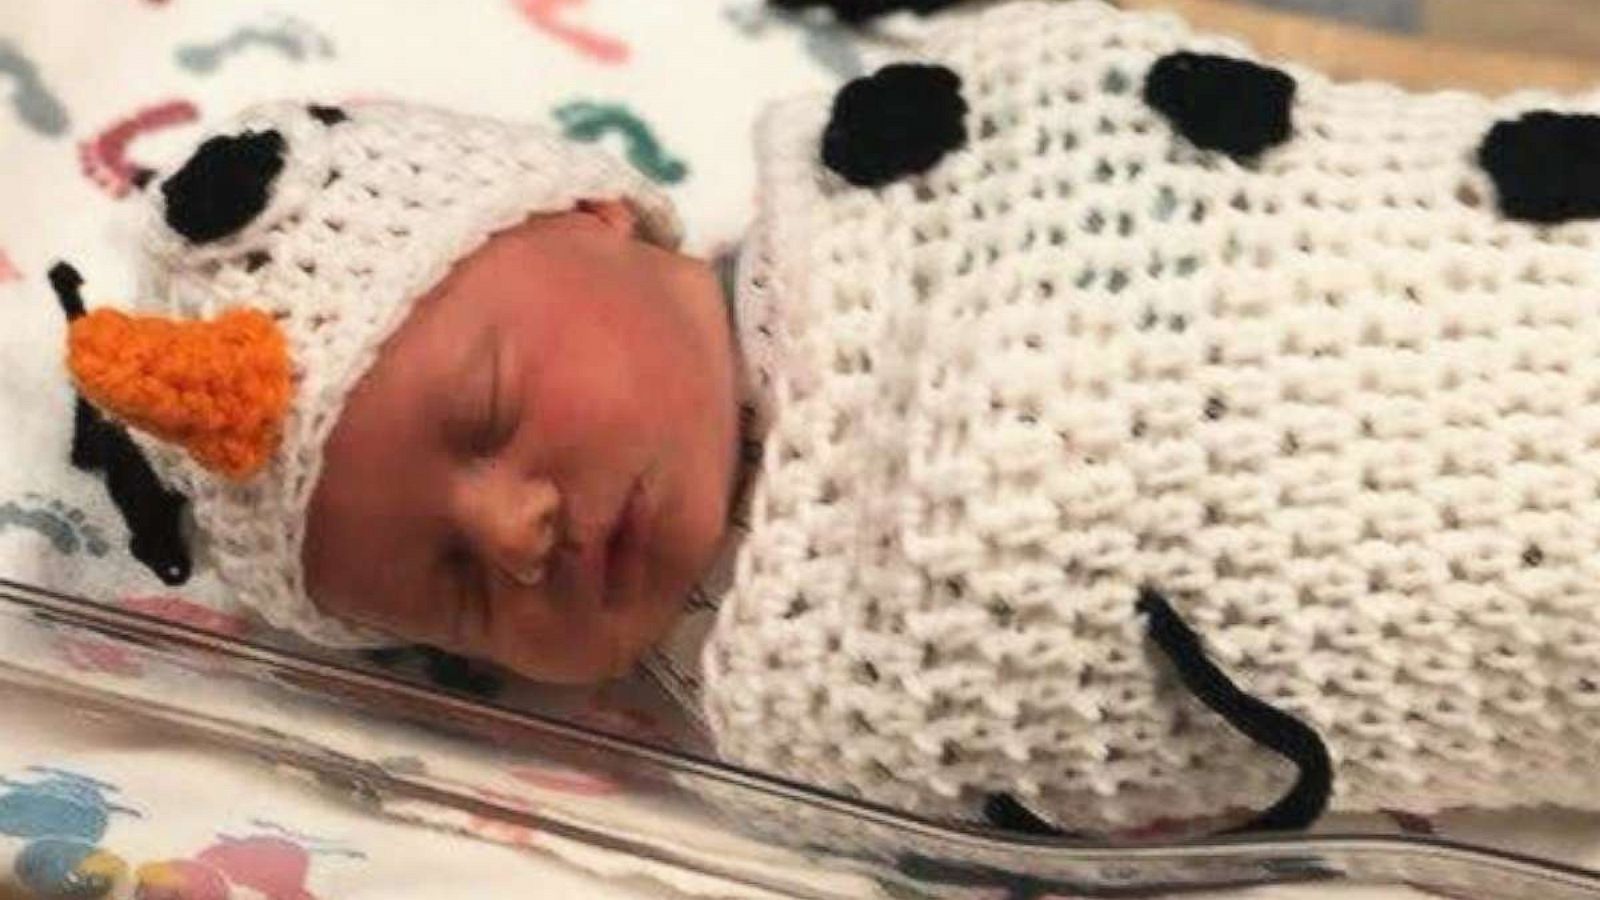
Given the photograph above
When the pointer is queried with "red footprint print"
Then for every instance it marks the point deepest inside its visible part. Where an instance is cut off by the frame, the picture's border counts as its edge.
(91, 653)
(508, 833)
(104, 157)
(565, 781)
(94, 654)
(187, 612)
(500, 831)
(273, 866)
(546, 16)
(8, 271)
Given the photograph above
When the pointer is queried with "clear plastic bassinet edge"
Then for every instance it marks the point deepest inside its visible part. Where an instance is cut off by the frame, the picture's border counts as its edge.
(401, 748)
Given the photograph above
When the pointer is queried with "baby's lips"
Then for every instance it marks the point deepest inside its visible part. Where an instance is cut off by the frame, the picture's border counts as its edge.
(219, 388)
(587, 567)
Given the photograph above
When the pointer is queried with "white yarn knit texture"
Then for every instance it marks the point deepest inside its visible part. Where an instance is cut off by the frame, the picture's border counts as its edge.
(1333, 404)
(367, 215)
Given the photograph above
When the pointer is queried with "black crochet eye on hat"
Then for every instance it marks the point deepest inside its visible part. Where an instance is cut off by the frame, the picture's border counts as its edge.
(224, 185)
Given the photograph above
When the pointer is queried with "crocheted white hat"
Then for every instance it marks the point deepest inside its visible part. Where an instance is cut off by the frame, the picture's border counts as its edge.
(288, 247)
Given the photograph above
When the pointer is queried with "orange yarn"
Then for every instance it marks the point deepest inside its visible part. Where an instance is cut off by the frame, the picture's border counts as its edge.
(218, 388)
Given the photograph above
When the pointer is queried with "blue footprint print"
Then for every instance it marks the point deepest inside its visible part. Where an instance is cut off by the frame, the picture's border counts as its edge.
(62, 816)
(67, 528)
(292, 38)
(36, 106)
(585, 121)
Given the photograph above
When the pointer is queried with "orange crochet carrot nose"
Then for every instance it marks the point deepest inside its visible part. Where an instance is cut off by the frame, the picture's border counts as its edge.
(218, 388)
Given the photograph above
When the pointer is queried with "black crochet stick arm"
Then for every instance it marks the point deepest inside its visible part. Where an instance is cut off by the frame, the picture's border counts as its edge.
(153, 514)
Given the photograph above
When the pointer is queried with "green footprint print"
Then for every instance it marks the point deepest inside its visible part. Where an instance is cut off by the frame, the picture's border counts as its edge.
(66, 527)
(585, 121)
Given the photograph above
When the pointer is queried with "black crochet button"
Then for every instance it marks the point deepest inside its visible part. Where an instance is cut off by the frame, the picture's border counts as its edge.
(1545, 166)
(327, 115)
(225, 184)
(898, 121)
(1218, 103)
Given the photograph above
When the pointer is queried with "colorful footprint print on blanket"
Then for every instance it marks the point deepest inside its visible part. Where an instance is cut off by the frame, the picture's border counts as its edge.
(103, 157)
(545, 15)
(295, 40)
(35, 104)
(273, 863)
(67, 528)
(8, 270)
(88, 652)
(60, 817)
(585, 121)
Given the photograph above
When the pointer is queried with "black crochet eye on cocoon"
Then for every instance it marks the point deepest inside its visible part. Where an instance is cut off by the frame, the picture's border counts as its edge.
(857, 11)
(1545, 166)
(225, 184)
(1219, 103)
(896, 122)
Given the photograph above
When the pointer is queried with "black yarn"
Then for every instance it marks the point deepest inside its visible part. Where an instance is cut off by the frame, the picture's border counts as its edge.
(224, 185)
(327, 115)
(1007, 812)
(153, 514)
(459, 673)
(446, 670)
(1006, 884)
(387, 656)
(87, 440)
(899, 121)
(854, 12)
(68, 287)
(1545, 166)
(1230, 105)
(1268, 726)
(88, 443)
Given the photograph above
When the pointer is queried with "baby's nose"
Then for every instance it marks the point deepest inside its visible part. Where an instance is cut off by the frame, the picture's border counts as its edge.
(516, 527)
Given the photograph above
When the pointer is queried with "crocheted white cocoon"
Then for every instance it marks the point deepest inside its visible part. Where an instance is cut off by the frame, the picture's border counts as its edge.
(1340, 410)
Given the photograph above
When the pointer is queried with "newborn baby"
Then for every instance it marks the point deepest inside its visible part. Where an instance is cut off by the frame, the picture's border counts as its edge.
(507, 427)
(1134, 417)
(565, 398)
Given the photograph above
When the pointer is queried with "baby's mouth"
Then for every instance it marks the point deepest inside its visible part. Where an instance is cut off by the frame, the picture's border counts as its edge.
(609, 563)
(623, 556)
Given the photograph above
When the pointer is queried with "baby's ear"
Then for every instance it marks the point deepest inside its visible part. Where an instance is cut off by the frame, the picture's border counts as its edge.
(616, 215)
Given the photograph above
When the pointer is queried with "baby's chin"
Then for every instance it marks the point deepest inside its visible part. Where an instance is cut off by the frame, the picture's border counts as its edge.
(596, 645)
(600, 652)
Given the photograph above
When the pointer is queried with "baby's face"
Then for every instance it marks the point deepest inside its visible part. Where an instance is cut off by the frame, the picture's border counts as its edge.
(538, 466)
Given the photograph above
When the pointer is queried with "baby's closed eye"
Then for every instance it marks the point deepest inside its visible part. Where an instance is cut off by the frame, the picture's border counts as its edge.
(485, 408)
